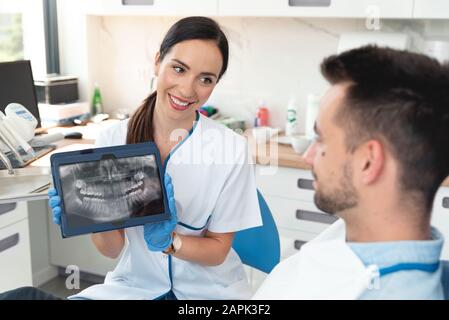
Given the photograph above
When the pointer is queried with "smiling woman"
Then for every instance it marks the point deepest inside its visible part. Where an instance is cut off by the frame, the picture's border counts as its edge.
(191, 60)
(210, 196)
(185, 83)
(198, 238)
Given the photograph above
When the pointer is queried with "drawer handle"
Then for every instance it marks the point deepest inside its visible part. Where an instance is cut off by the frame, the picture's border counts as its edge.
(309, 3)
(305, 184)
(7, 207)
(9, 242)
(446, 202)
(298, 244)
(315, 216)
(137, 2)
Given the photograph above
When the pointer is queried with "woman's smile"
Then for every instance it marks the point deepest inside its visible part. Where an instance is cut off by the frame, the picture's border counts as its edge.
(178, 103)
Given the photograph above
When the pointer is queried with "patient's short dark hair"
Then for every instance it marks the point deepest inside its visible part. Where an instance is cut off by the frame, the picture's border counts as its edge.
(402, 99)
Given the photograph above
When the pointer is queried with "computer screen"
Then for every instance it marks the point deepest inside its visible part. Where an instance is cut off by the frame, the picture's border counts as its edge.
(17, 85)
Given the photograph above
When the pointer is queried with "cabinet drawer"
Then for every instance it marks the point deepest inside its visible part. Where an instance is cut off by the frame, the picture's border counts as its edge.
(79, 251)
(151, 7)
(15, 256)
(285, 182)
(323, 8)
(292, 240)
(12, 212)
(298, 215)
(440, 218)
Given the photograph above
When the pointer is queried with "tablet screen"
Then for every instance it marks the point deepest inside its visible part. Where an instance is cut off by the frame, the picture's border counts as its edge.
(111, 190)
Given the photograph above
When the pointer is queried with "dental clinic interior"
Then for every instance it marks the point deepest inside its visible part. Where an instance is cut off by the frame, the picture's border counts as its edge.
(78, 67)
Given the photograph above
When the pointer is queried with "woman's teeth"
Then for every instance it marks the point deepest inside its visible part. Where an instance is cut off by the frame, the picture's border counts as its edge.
(179, 102)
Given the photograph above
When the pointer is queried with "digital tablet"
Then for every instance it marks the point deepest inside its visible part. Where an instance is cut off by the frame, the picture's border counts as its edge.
(109, 188)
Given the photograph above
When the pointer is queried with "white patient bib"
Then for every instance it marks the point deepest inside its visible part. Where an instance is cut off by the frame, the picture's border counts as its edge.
(324, 268)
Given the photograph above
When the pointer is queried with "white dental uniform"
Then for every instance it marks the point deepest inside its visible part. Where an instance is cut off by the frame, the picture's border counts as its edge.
(215, 190)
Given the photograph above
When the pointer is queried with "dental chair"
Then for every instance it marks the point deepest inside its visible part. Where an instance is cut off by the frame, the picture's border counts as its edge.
(445, 278)
(259, 247)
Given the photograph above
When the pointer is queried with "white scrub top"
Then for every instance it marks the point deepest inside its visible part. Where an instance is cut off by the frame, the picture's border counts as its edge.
(215, 190)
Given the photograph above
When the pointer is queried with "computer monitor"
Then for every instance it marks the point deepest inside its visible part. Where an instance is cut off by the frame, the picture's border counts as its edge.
(17, 85)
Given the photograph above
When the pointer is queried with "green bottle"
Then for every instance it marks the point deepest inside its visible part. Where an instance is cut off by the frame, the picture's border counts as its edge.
(97, 104)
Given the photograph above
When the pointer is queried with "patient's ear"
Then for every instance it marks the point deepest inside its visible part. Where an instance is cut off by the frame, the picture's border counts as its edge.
(373, 161)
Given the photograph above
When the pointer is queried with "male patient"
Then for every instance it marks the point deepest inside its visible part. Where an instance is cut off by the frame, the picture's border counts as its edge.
(381, 152)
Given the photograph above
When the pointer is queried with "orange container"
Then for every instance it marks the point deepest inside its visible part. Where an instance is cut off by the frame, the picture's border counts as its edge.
(262, 117)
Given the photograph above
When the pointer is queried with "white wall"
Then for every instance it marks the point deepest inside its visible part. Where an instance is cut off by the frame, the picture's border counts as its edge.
(73, 43)
(270, 59)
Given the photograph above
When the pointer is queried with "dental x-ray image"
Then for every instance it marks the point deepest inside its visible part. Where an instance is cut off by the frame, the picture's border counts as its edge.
(111, 190)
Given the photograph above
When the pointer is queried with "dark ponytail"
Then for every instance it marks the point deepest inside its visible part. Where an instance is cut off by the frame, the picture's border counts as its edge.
(140, 126)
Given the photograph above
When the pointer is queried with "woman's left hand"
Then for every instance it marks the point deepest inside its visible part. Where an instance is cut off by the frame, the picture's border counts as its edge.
(159, 236)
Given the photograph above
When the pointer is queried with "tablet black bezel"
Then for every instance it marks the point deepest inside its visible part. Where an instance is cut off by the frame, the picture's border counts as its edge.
(96, 154)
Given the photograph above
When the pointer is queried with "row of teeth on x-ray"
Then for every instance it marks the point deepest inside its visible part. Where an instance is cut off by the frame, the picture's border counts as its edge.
(101, 190)
(115, 200)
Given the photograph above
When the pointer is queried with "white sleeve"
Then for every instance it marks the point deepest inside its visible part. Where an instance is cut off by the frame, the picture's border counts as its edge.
(101, 140)
(237, 207)
(113, 135)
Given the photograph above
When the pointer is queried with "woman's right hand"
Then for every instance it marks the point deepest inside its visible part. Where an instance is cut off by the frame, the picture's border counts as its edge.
(55, 204)
(109, 243)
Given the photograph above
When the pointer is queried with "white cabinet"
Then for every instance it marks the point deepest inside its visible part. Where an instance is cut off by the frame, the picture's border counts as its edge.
(78, 251)
(15, 255)
(440, 217)
(152, 7)
(287, 183)
(12, 212)
(298, 215)
(317, 8)
(289, 194)
(431, 9)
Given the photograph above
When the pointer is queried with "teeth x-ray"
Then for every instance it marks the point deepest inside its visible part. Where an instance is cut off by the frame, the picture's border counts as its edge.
(111, 190)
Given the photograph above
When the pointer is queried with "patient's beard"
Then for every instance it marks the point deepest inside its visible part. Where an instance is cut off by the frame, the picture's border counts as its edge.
(341, 198)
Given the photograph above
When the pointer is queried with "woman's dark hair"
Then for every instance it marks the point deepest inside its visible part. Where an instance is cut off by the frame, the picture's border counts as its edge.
(140, 126)
(402, 99)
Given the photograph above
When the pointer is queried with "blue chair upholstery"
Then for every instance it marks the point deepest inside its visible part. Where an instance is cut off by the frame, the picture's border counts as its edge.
(259, 247)
(445, 278)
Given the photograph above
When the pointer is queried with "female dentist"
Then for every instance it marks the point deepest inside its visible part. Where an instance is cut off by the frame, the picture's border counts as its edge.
(190, 256)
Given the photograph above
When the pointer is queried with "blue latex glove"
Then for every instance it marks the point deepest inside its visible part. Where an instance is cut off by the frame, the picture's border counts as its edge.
(158, 236)
(55, 204)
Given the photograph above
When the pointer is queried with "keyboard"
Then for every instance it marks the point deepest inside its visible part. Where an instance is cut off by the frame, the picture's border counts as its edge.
(40, 151)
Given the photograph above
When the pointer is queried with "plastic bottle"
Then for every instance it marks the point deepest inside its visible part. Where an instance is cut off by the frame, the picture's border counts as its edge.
(291, 126)
(97, 102)
(262, 115)
(313, 106)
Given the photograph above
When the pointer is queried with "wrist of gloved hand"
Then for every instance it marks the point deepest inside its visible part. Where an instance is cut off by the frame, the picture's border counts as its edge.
(54, 203)
(160, 243)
